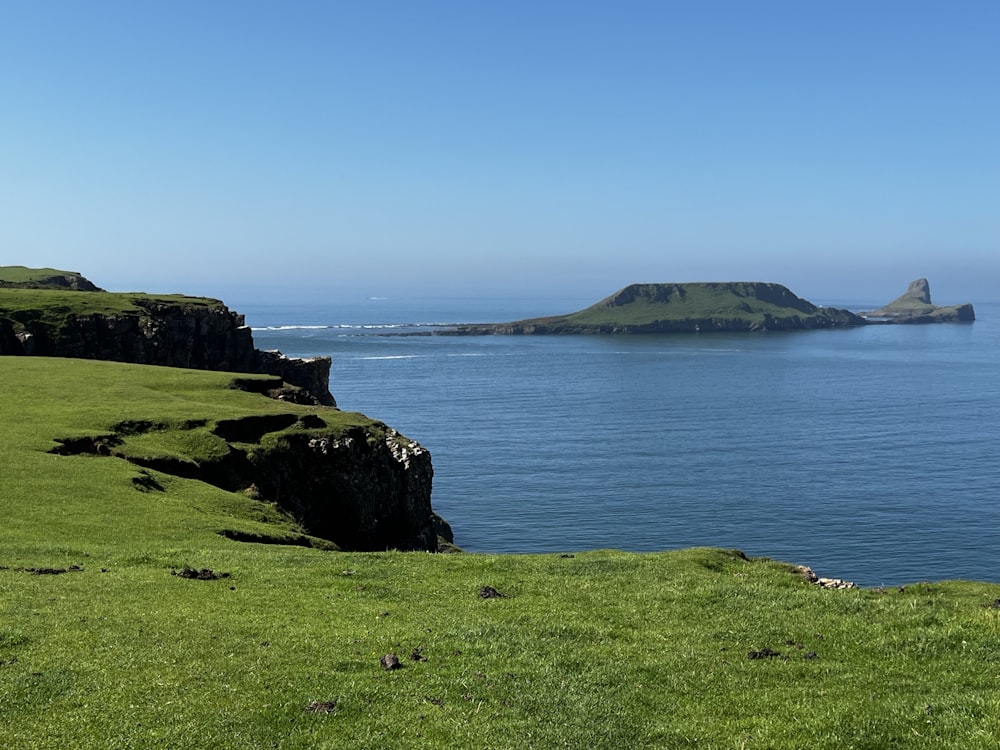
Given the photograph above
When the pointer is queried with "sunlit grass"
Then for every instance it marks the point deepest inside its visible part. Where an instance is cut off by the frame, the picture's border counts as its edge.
(595, 650)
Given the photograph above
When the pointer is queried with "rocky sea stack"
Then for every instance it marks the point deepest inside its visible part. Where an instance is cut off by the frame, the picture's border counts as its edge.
(915, 306)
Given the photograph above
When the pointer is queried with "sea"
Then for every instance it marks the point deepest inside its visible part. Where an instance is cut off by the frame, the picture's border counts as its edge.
(870, 454)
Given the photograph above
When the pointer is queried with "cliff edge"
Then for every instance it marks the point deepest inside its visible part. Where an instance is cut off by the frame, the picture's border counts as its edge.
(51, 313)
(336, 479)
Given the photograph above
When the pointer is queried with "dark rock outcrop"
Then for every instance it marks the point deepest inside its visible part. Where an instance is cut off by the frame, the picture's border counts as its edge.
(362, 490)
(311, 374)
(154, 333)
(915, 306)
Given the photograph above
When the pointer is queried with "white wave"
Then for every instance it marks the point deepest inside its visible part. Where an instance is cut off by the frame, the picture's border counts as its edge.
(392, 356)
(354, 327)
(290, 328)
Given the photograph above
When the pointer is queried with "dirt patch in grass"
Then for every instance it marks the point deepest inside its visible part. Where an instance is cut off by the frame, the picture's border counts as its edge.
(322, 707)
(48, 571)
(292, 540)
(205, 574)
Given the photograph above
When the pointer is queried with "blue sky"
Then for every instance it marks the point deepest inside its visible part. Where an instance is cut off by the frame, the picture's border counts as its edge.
(842, 148)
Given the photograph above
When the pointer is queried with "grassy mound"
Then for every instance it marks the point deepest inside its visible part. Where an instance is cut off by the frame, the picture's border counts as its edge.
(44, 278)
(129, 620)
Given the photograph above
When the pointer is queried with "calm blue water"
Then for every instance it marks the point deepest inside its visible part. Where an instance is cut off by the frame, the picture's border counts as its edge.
(869, 454)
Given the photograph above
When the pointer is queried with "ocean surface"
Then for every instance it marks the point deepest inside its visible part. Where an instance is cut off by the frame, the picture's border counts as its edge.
(871, 454)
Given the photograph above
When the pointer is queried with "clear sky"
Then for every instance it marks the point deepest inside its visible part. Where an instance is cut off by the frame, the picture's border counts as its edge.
(843, 148)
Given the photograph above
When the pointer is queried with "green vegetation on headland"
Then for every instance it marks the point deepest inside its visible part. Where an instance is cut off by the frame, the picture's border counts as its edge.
(684, 308)
(53, 306)
(151, 597)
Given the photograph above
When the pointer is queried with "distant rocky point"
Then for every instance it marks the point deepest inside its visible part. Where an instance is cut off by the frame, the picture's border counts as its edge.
(914, 306)
(683, 308)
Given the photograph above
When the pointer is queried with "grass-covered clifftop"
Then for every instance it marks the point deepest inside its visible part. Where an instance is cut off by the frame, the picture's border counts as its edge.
(105, 640)
(693, 307)
(54, 305)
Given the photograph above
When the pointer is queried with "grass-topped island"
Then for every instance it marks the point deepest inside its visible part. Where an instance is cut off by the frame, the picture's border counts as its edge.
(682, 308)
(164, 583)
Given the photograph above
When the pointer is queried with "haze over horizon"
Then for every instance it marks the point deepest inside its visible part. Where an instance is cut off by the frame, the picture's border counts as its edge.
(313, 148)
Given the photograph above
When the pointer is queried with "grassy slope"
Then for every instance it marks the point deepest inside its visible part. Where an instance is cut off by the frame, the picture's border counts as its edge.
(49, 303)
(603, 649)
(22, 274)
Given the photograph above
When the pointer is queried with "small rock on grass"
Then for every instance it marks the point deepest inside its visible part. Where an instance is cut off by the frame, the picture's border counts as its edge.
(322, 707)
(390, 662)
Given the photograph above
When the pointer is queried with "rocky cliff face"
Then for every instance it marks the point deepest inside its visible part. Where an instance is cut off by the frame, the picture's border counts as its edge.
(713, 324)
(173, 332)
(362, 488)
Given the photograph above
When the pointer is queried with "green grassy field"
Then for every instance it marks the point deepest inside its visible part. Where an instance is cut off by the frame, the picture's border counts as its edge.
(597, 650)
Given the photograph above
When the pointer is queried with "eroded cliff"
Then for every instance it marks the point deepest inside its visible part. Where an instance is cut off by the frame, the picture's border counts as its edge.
(41, 317)
(343, 478)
